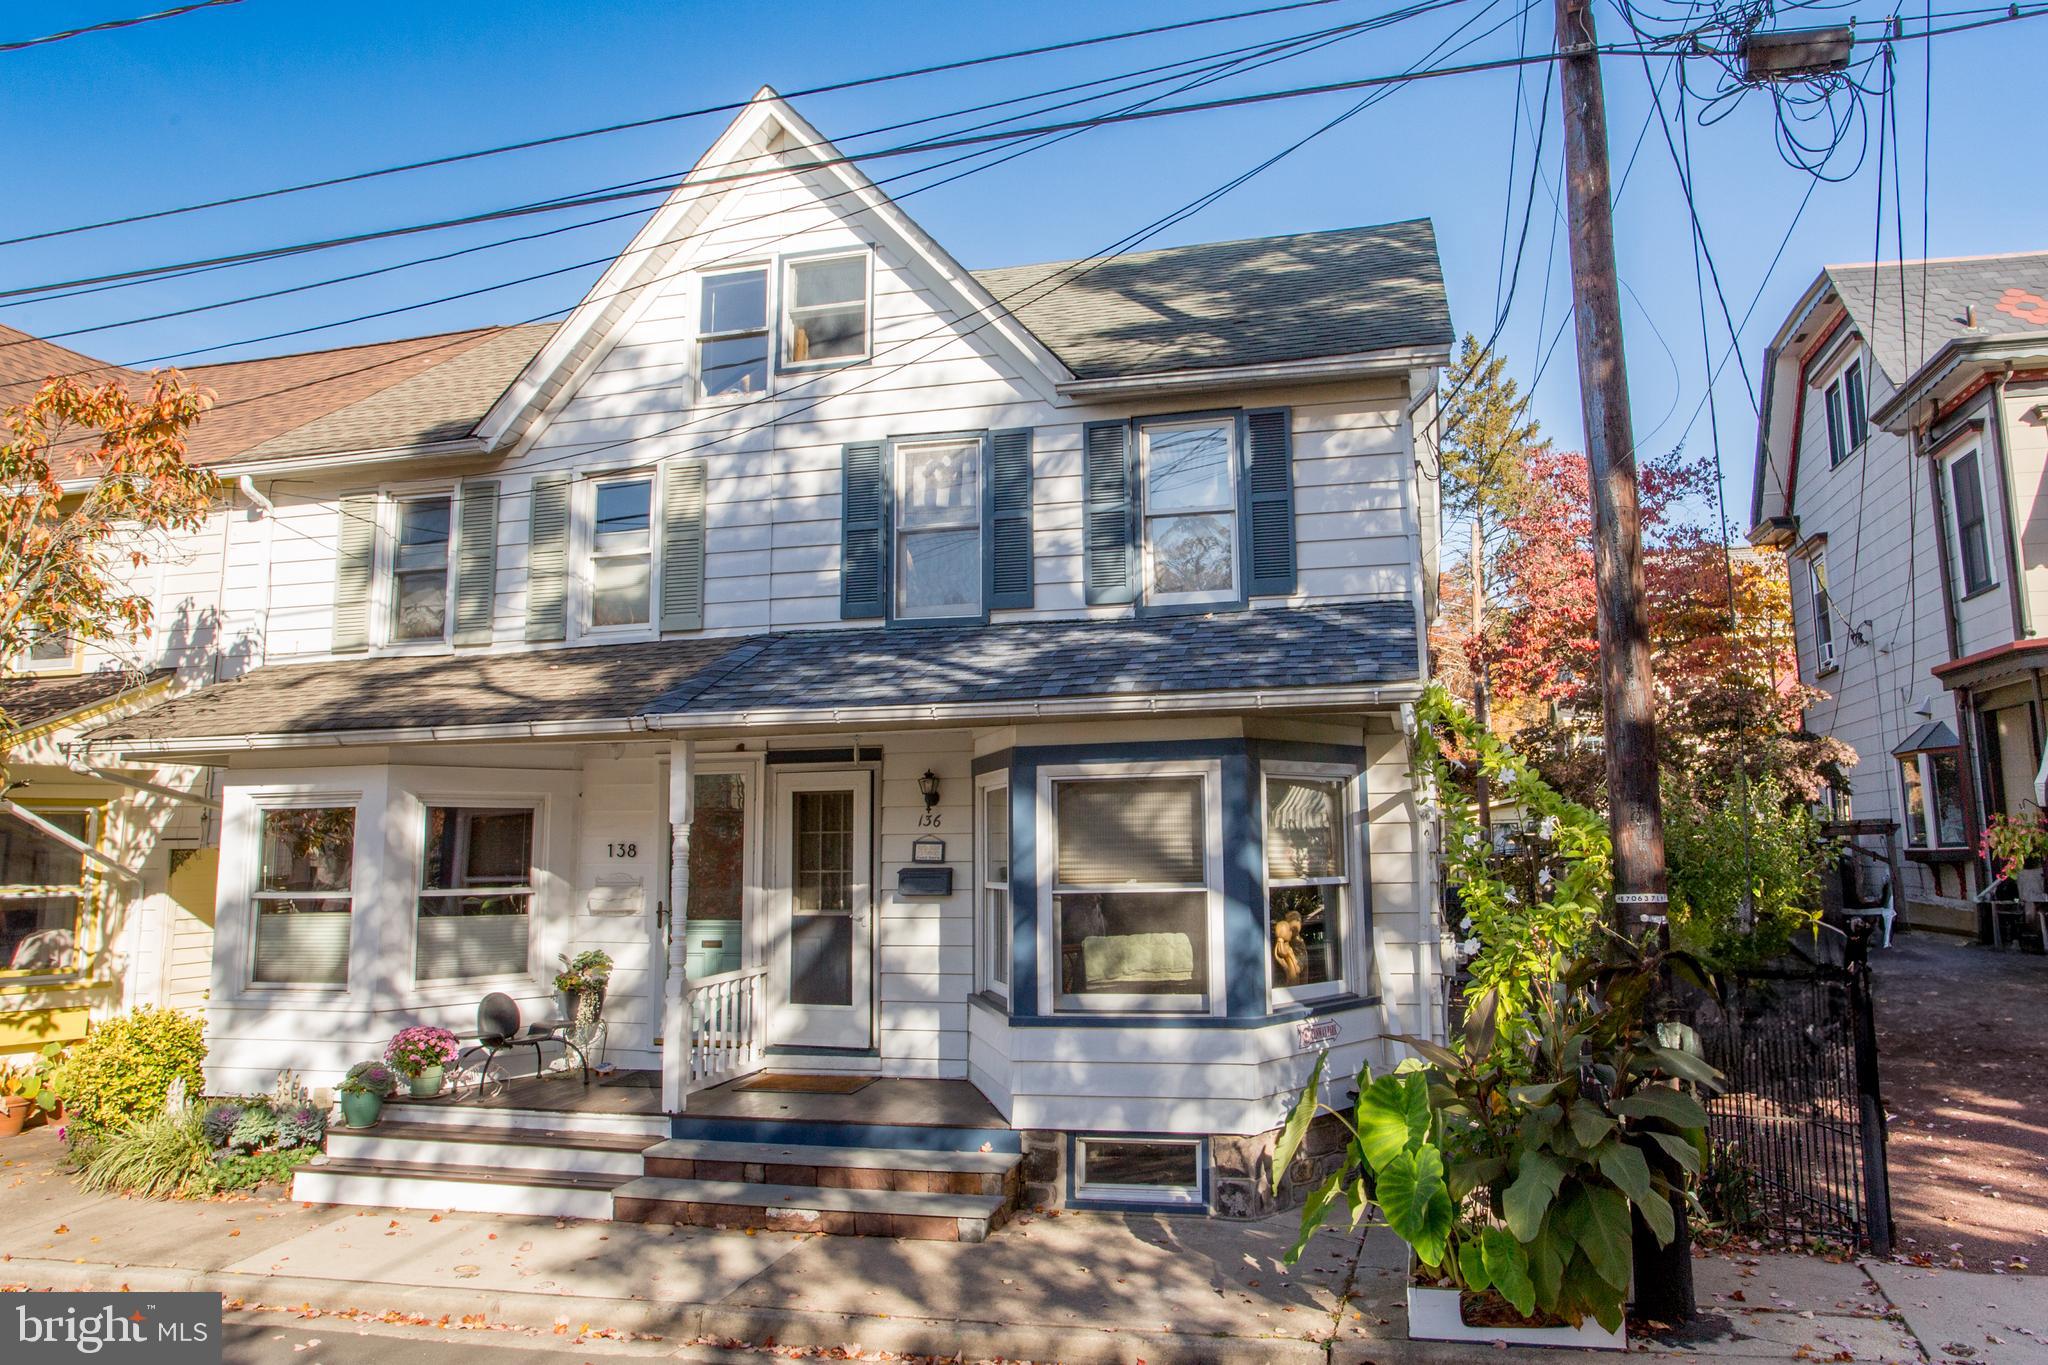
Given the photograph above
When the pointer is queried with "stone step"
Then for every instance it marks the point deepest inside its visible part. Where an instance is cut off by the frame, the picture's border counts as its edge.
(543, 1150)
(809, 1208)
(454, 1188)
(907, 1170)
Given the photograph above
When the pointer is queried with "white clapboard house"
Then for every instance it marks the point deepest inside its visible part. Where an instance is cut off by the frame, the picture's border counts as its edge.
(970, 708)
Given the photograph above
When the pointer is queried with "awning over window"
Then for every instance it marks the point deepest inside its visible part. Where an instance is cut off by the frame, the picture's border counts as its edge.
(1934, 734)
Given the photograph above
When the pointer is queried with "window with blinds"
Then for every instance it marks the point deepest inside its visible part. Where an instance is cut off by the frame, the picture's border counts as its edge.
(1307, 884)
(45, 888)
(305, 892)
(1131, 895)
(476, 893)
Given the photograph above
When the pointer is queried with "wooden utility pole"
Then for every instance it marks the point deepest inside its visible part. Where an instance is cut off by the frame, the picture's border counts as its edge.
(1481, 701)
(1663, 1275)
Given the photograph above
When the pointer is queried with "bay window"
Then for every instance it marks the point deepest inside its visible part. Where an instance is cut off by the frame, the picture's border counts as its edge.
(44, 893)
(938, 529)
(1931, 781)
(1135, 891)
(622, 552)
(992, 880)
(304, 895)
(1188, 479)
(476, 893)
(825, 310)
(732, 334)
(1308, 882)
(419, 569)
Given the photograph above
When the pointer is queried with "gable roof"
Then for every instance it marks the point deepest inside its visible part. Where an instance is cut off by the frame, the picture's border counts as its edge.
(1256, 301)
(1907, 311)
(1260, 656)
(30, 701)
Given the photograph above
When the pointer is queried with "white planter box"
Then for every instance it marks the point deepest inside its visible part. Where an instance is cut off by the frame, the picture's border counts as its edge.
(1434, 1315)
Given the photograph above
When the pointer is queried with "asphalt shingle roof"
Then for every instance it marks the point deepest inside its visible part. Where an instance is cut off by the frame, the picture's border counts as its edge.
(1259, 301)
(28, 701)
(2009, 293)
(1351, 644)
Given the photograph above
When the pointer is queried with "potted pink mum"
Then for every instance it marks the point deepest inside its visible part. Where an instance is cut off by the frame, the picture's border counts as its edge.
(421, 1055)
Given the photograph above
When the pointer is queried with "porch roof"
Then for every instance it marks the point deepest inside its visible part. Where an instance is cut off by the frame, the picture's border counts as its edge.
(1298, 656)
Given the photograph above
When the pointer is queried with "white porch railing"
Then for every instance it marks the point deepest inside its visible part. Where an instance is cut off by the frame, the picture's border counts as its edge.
(726, 1020)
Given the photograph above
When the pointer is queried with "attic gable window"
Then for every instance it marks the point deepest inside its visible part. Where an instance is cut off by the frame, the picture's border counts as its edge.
(732, 334)
(1848, 421)
(825, 310)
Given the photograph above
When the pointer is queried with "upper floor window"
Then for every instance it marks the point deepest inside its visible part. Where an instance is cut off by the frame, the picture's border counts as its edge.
(419, 569)
(732, 334)
(50, 651)
(622, 552)
(1188, 480)
(825, 310)
(1823, 615)
(1848, 421)
(938, 529)
(1973, 533)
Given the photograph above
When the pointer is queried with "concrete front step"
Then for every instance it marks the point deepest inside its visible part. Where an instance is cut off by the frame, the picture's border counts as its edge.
(455, 1188)
(810, 1208)
(861, 1168)
(601, 1154)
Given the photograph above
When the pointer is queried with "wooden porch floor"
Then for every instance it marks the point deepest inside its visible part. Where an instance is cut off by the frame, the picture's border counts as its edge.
(884, 1100)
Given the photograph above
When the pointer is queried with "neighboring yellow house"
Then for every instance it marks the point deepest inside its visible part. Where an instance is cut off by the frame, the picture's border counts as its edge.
(106, 875)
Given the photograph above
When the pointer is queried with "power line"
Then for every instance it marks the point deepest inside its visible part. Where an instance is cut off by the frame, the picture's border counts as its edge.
(113, 24)
(556, 139)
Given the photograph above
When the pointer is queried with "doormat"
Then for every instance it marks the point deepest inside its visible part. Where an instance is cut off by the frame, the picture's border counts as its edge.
(804, 1085)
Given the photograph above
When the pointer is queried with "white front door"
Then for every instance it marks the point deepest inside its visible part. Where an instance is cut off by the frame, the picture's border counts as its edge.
(820, 949)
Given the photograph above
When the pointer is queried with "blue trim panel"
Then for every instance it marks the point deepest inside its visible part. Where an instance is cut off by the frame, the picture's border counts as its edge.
(811, 1133)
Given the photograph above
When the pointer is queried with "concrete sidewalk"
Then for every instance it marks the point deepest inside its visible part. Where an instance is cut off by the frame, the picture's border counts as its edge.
(1080, 1288)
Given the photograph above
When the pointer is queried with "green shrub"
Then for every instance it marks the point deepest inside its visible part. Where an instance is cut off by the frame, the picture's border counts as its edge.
(157, 1157)
(1717, 852)
(119, 1073)
(256, 1128)
(247, 1171)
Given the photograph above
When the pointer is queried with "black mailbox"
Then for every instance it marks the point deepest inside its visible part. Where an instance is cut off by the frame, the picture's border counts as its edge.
(925, 881)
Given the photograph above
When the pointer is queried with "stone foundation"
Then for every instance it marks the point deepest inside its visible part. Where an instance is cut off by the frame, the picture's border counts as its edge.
(1241, 1169)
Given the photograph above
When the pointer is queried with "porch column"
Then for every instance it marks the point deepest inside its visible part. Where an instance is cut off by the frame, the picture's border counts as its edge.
(675, 1015)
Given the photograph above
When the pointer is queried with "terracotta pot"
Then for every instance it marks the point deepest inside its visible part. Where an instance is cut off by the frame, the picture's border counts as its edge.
(427, 1084)
(14, 1112)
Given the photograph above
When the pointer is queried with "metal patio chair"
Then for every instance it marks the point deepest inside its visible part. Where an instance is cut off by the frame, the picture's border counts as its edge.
(500, 1029)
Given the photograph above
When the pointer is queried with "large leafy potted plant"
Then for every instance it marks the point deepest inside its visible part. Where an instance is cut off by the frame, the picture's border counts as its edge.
(23, 1091)
(1512, 1163)
(363, 1092)
(582, 983)
(421, 1054)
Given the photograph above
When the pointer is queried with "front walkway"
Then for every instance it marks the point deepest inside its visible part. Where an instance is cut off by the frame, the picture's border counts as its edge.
(1074, 1288)
(1963, 1058)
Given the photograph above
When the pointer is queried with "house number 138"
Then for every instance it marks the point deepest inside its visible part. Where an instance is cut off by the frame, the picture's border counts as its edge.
(622, 850)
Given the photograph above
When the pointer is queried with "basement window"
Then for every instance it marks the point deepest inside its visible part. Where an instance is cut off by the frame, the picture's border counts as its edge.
(1169, 1172)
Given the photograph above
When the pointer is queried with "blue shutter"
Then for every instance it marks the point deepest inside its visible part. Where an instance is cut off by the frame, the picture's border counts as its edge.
(682, 545)
(355, 562)
(547, 560)
(1006, 512)
(864, 531)
(1109, 512)
(1268, 501)
(476, 561)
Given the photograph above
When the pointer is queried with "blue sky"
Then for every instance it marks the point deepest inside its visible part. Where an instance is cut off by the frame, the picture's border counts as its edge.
(267, 92)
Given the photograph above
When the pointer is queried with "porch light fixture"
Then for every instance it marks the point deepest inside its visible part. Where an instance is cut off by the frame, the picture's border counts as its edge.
(929, 786)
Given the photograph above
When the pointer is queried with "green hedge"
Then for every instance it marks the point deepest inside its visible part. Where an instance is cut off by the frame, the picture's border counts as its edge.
(120, 1072)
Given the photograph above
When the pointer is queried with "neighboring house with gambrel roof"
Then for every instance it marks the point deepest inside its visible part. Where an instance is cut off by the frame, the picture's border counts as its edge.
(1900, 466)
(995, 681)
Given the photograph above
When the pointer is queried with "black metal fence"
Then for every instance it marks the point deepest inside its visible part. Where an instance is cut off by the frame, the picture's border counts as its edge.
(1799, 1133)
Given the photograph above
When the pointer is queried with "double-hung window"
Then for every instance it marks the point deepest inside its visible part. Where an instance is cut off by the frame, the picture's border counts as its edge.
(1135, 891)
(1823, 614)
(732, 334)
(1848, 419)
(937, 572)
(1932, 783)
(45, 890)
(419, 568)
(825, 310)
(476, 893)
(622, 552)
(1308, 882)
(1973, 532)
(992, 878)
(1188, 480)
(305, 890)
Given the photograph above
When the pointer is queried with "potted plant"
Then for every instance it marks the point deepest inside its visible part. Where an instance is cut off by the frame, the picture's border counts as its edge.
(1512, 1163)
(363, 1092)
(421, 1054)
(581, 982)
(23, 1091)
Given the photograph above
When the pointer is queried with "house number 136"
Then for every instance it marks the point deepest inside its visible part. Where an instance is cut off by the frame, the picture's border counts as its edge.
(622, 850)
